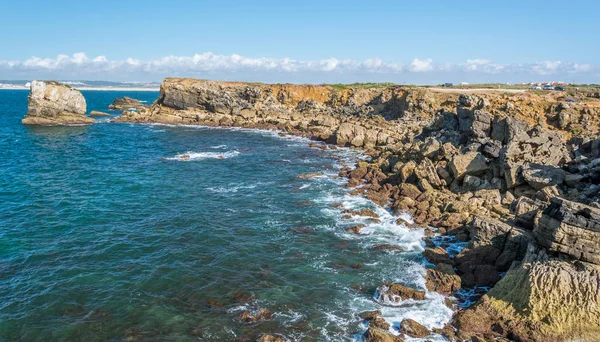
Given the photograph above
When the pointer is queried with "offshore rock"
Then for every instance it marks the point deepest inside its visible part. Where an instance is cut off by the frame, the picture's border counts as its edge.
(125, 103)
(53, 103)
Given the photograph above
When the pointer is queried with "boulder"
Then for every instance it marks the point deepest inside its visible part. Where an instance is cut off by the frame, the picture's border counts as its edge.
(377, 335)
(395, 293)
(442, 279)
(53, 103)
(370, 315)
(350, 135)
(525, 210)
(541, 176)
(471, 163)
(413, 328)
(570, 228)
(437, 255)
(380, 323)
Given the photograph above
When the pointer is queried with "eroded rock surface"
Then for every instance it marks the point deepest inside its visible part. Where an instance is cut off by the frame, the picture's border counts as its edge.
(53, 103)
(125, 102)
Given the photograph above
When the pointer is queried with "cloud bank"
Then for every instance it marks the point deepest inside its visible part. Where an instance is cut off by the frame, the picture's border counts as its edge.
(237, 67)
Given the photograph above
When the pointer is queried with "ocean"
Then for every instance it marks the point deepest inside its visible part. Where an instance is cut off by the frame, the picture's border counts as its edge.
(130, 232)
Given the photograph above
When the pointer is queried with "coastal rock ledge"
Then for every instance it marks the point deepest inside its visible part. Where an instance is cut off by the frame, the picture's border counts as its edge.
(53, 103)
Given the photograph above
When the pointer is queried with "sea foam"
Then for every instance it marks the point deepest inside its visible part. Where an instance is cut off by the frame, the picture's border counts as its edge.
(190, 156)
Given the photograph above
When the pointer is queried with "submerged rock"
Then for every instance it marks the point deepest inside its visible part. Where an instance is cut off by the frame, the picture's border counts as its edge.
(270, 338)
(413, 328)
(259, 315)
(53, 103)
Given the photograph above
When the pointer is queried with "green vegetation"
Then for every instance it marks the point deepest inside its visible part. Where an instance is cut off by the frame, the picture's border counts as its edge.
(340, 86)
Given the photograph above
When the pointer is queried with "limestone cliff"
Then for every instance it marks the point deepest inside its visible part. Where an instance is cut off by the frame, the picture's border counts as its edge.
(542, 299)
(53, 103)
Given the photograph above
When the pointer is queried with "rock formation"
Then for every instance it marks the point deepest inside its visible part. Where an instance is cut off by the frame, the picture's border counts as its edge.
(514, 175)
(52, 103)
(125, 103)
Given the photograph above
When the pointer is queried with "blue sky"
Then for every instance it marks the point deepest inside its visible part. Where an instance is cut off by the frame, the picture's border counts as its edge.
(303, 41)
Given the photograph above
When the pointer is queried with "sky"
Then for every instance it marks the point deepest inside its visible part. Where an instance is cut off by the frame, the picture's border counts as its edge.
(411, 42)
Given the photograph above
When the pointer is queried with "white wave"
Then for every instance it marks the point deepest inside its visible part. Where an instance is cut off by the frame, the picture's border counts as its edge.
(230, 189)
(219, 146)
(189, 156)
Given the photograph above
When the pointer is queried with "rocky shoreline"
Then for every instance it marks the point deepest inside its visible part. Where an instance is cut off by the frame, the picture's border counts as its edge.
(514, 175)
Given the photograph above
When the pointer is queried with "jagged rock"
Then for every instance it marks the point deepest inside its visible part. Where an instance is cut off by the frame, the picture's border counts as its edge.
(349, 134)
(492, 149)
(437, 255)
(378, 335)
(494, 246)
(442, 279)
(407, 171)
(570, 228)
(430, 148)
(413, 328)
(125, 103)
(426, 171)
(540, 176)
(546, 193)
(410, 191)
(380, 323)
(396, 293)
(53, 103)
(471, 163)
(369, 315)
(490, 197)
(447, 331)
(525, 210)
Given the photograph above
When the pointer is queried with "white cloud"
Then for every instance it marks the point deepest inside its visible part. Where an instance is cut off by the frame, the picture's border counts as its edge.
(418, 65)
(208, 64)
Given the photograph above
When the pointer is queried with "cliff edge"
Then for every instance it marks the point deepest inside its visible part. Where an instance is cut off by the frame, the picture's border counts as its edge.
(53, 103)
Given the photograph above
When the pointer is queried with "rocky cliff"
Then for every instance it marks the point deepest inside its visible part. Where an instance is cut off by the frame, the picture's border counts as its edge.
(514, 175)
(52, 103)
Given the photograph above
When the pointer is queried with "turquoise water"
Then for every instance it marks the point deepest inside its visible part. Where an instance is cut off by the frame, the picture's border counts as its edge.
(106, 234)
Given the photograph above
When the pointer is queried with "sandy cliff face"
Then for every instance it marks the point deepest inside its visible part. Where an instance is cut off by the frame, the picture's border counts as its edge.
(498, 170)
(52, 103)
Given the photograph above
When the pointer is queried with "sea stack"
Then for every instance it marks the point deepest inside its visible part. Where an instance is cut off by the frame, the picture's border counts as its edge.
(53, 103)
